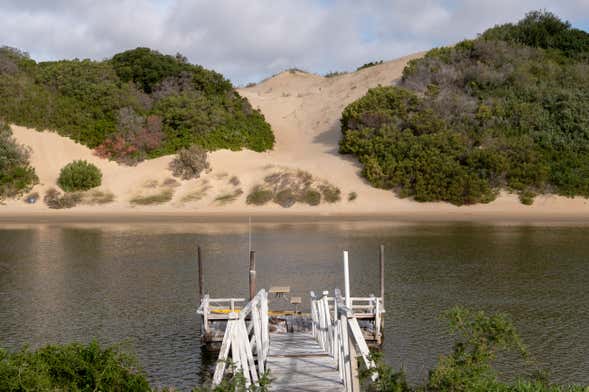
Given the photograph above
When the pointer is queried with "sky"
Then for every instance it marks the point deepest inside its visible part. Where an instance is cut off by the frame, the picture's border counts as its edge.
(248, 40)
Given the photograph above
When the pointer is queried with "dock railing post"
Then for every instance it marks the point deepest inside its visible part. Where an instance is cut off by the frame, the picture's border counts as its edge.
(347, 280)
(252, 280)
(201, 278)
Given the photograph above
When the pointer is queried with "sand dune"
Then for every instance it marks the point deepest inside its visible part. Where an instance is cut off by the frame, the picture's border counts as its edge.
(304, 111)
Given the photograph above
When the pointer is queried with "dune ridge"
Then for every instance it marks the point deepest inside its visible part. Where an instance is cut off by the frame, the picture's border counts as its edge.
(304, 111)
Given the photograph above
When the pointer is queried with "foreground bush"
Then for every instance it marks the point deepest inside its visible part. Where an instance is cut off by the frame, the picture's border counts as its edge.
(468, 368)
(16, 175)
(189, 163)
(484, 115)
(139, 104)
(73, 367)
(79, 176)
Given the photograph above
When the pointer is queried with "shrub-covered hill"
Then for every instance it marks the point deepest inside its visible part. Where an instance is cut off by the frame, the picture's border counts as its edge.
(139, 104)
(508, 110)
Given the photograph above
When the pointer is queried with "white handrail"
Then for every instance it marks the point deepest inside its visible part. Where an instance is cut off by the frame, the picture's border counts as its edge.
(252, 320)
(337, 333)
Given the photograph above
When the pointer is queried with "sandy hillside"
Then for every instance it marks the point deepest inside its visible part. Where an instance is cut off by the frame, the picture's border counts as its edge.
(304, 111)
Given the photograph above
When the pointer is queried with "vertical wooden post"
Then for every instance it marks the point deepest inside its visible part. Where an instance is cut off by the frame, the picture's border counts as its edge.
(201, 278)
(347, 280)
(252, 274)
(381, 260)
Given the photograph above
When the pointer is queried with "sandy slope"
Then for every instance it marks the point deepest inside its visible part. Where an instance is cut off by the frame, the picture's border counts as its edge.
(304, 111)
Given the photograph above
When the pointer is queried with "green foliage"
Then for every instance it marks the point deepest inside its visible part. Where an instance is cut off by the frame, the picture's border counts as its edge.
(16, 175)
(285, 198)
(331, 193)
(468, 368)
(79, 176)
(189, 163)
(259, 196)
(352, 196)
(311, 197)
(228, 197)
(140, 104)
(368, 65)
(333, 74)
(72, 367)
(469, 120)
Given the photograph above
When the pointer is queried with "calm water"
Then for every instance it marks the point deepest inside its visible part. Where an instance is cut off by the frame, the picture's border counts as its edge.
(137, 284)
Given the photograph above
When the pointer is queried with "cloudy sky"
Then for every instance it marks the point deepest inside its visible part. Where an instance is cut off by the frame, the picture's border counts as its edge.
(248, 40)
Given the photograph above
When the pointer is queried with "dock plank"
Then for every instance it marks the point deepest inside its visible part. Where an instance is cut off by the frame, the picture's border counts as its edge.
(298, 364)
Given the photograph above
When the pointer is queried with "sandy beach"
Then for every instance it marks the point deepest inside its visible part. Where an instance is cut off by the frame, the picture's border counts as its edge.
(304, 111)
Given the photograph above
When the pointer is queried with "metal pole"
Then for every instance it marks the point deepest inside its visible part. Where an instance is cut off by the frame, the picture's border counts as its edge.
(252, 274)
(347, 280)
(381, 260)
(201, 278)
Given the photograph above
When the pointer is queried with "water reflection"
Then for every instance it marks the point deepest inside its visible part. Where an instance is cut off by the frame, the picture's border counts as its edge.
(137, 283)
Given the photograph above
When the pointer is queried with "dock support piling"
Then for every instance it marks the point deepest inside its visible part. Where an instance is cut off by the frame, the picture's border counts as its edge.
(201, 278)
(252, 274)
(381, 261)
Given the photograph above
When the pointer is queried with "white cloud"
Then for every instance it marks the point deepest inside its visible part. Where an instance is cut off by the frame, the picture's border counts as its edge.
(249, 40)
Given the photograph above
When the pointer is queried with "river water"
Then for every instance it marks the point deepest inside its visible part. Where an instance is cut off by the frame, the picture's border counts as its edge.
(136, 284)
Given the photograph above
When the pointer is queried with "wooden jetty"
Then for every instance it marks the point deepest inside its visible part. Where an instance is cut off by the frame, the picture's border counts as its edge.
(322, 358)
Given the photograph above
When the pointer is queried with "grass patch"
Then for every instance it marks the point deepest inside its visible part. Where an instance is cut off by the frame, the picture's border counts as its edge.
(259, 196)
(97, 197)
(352, 196)
(158, 198)
(197, 195)
(229, 197)
(171, 183)
(149, 184)
(57, 201)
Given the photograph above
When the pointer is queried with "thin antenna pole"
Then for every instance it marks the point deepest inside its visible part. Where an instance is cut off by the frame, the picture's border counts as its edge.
(381, 262)
(201, 278)
(249, 240)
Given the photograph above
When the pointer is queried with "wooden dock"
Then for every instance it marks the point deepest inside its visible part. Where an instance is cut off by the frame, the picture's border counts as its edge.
(297, 362)
(322, 357)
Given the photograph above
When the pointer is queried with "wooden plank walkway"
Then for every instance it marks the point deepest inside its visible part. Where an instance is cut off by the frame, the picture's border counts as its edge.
(297, 363)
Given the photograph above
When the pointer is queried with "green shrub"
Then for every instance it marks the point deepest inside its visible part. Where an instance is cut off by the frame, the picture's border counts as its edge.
(259, 196)
(72, 367)
(79, 176)
(56, 200)
(16, 175)
(285, 198)
(189, 162)
(368, 65)
(95, 197)
(331, 193)
(140, 104)
(352, 196)
(484, 115)
(311, 197)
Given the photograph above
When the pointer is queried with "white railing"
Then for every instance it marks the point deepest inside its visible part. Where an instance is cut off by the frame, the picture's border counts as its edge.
(246, 336)
(336, 328)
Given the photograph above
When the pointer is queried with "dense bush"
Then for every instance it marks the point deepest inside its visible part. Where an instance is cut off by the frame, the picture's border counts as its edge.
(189, 163)
(73, 367)
(486, 114)
(79, 176)
(16, 175)
(139, 104)
(468, 368)
(259, 196)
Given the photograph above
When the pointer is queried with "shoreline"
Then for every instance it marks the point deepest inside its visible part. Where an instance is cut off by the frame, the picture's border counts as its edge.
(143, 216)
